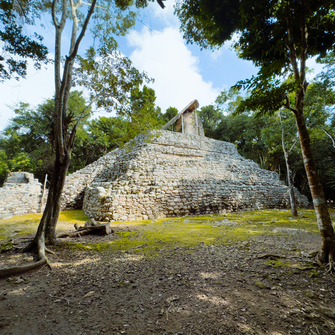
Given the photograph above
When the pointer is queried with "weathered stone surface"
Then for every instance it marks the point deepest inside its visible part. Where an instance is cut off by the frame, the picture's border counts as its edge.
(173, 174)
(76, 183)
(20, 194)
(187, 121)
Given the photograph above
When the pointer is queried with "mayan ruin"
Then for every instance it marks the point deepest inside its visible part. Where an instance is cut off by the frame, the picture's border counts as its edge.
(20, 194)
(174, 173)
(161, 174)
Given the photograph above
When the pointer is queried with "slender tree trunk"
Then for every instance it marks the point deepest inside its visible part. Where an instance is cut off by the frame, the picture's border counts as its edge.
(327, 252)
(330, 136)
(53, 205)
(293, 201)
(46, 232)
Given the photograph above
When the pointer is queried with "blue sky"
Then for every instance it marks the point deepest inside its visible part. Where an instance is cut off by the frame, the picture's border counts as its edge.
(182, 72)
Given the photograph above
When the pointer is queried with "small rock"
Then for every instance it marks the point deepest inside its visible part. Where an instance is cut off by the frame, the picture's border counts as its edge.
(311, 294)
(260, 285)
(89, 294)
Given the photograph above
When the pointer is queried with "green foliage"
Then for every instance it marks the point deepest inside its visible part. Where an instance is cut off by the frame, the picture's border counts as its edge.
(27, 142)
(109, 77)
(142, 115)
(4, 168)
(15, 45)
(211, 118)
(169, 114)
(96, 138)
(261, 35)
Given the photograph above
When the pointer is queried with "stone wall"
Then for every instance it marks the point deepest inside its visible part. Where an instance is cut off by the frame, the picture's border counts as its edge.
(76, 183)
(20, 194)
(172, 174)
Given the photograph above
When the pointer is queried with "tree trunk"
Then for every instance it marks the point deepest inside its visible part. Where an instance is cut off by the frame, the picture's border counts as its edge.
(47, 227)
(330, 136)
(327, 252)
(60, 171)
(293, 201)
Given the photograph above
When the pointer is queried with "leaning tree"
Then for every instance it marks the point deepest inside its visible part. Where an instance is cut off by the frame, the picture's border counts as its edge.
(108, 76)
(278, 36)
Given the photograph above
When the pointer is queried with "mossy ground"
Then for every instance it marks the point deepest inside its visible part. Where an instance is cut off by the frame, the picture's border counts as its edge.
(23, 225)
(239, 273)
(151, 236)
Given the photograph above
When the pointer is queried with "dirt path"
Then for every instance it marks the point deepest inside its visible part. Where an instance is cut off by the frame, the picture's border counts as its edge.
(229, 289)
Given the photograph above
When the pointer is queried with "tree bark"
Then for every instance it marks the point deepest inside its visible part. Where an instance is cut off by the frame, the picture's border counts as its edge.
(293, 201)
(327, 252)
(46, 232)
(53, 205)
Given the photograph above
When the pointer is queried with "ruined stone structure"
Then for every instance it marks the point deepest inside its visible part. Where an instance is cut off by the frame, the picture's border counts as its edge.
(170, 174)
(20, 194)
(187, 121)
(158, 175)
(77, 182)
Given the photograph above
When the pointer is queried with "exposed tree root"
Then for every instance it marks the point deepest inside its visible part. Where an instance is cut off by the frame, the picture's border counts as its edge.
(331, 264)
(50, 251)
(326, 260)
(41, 249)
(313, 254)
(29, 247)
(16, 270)
(331, 267)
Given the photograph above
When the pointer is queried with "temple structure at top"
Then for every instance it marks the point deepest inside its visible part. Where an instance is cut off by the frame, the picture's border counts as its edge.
(187, 121)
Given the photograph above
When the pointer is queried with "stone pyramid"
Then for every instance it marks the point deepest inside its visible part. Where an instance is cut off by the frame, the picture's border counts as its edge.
(168, 174)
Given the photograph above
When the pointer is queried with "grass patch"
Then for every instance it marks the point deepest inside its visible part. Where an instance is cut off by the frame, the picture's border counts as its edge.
(278, 263)
(153, 236)
(23, 225)
(150, 237)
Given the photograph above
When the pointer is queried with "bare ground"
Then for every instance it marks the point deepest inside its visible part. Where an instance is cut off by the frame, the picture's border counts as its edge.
(231, 289)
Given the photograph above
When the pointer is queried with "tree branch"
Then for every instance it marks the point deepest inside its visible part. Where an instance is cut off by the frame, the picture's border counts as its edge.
(83, 30)
(61, 24)
(67, 72)
(74, 129)
(287, 105)
(330, 136)
(58, 125)
(291, 44)
(293, 145)
(303, 53)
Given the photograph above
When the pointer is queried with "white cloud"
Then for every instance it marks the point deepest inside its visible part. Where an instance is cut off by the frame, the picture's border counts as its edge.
(37, 87)
(165, 57)
(165, 15)
(216, 54)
